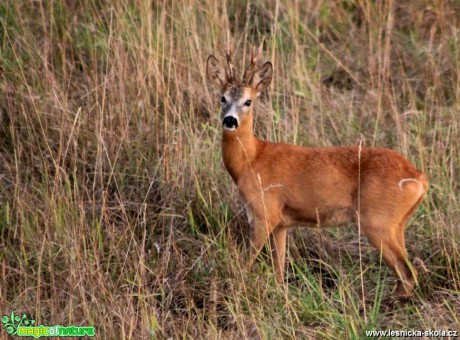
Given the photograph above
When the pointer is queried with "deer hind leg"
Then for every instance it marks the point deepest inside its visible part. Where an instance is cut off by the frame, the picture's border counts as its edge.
(405, 288)
(278, 249)
(386, 232)
(393, 251)
(406, 218)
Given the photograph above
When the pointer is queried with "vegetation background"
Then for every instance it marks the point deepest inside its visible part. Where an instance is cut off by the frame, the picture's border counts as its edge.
(116, 210)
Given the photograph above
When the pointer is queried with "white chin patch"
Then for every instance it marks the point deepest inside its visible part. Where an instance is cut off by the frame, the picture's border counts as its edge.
(229, 128)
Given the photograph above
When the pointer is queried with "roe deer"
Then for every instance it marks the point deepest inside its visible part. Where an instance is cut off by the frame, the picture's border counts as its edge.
(285, 185)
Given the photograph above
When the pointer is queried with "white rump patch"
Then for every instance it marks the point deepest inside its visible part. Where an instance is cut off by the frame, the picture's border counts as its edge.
(401, 182)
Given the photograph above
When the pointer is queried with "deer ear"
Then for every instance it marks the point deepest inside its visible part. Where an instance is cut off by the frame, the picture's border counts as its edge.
(216, 73)
(262, 77)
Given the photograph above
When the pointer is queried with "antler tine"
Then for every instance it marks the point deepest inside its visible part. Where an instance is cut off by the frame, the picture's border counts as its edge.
(259, 51)
(228, 54)
(255, 58)
(231, 68)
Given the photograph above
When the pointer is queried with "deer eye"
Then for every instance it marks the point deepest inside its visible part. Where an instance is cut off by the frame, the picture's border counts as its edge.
(247, 103)
(223, 100)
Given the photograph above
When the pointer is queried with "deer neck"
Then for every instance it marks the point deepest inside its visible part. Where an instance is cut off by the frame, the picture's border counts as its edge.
(240, 147)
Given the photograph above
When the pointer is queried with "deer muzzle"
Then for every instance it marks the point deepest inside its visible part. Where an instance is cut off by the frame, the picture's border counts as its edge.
(230, 123)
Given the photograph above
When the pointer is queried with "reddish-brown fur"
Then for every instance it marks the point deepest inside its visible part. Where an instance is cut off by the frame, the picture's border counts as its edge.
(286, 185)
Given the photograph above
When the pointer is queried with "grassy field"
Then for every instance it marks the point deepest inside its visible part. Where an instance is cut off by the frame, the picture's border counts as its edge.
(115, 207)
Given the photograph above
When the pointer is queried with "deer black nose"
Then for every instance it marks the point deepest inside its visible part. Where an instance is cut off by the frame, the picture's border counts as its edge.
(230, 122)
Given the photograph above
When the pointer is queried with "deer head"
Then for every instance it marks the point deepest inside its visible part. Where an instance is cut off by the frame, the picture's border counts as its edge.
(238, 96)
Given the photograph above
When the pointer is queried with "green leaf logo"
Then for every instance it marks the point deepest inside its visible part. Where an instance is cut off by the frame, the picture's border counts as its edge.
(12, 322)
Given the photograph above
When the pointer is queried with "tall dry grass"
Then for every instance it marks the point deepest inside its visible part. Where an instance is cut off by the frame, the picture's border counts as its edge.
(115, 209)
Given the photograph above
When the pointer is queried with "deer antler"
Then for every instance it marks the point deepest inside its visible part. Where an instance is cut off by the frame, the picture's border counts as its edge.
(231, 68)
(255, 60)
